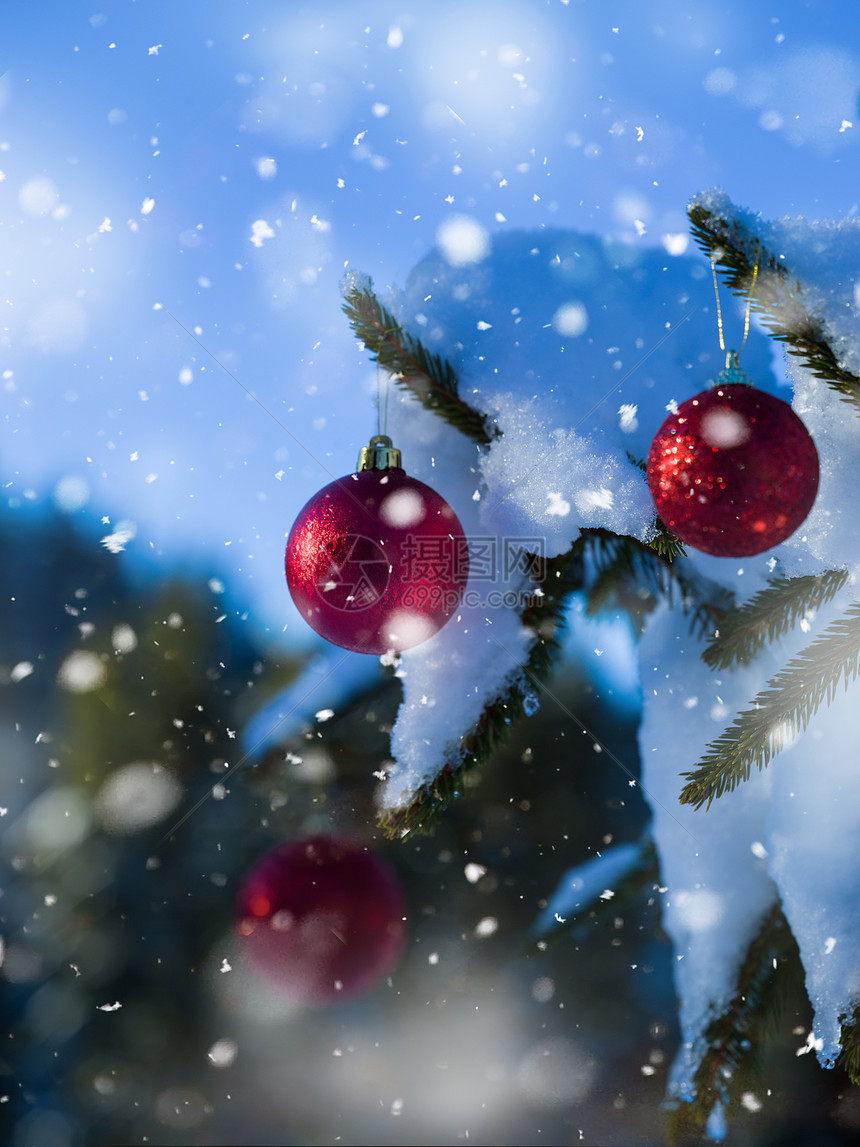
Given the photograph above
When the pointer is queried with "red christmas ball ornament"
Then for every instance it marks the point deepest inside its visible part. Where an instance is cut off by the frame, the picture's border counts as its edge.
(377, 561)
(733, 471)
(321, 918)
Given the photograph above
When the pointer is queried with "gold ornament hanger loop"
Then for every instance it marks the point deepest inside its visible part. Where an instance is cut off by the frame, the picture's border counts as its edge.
(731, 372)
(379, 454)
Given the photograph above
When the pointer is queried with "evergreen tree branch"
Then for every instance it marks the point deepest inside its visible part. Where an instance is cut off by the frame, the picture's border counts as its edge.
(558, 579)
(611, 569)
(732, 1038)
(430, 378)
(632, 576)
(665, 543)
(745, 632)
(849, 1058)
(779, 713)
(777, 297)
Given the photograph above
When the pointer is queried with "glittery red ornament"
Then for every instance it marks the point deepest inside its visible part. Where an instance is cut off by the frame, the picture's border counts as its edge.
(321, 918)
(377, 560)
(733, 471)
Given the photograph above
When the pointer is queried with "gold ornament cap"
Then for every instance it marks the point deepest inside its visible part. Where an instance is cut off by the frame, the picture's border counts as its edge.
(731, 374)
(379, 454)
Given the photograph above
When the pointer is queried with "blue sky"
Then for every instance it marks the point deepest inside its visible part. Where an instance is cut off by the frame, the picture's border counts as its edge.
(224, 163)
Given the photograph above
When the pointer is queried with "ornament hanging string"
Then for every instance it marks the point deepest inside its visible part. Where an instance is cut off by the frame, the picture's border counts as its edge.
(382, 404)
(748, 307)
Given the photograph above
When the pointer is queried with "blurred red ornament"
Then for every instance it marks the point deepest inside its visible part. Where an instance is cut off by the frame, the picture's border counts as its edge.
(377, 561)
(321, 918)
(733, 471)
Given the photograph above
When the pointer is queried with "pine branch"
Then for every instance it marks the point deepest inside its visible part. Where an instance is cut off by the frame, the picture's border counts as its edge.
(558, 579)
(603, 564)
(427, 376)
(733, 1037)
(631, 575)
(665, 544)
(747, 630)
(777, 297)
(779, 713)
(849, 1058)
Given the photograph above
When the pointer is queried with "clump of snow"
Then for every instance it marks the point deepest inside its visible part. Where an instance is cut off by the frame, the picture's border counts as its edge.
(536, 479)
(717, 890)
(830, 536)
(478, 655)
(814, 856)
(447, 683)
(355, 280)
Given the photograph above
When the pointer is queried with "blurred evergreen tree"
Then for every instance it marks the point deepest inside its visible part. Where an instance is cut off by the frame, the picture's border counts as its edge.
(119, 710)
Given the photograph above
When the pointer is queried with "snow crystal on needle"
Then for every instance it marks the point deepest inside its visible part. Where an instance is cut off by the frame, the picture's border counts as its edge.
(355, 281)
